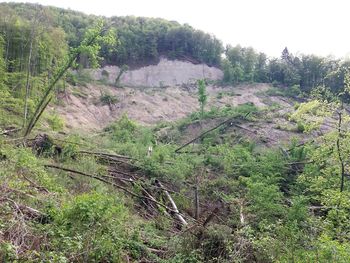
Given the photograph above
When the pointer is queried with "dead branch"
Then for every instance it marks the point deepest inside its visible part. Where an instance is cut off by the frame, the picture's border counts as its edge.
(115, 171)
(8, 189)
(241, 215)
(106, 154)
(301, 162)
(35, 185)
(202, 222)
(26, 210)
(246, 129)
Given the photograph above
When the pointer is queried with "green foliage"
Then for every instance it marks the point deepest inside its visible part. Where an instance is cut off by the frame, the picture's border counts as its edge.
(123, 130)
(300, 127)
(8, 252)
(108, 99)
(311, 114)
(93, 223)
(56, 122)
(140, 39)
(292, 92)
(202, 95)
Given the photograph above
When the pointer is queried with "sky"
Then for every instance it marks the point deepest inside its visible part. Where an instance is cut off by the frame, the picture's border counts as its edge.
(320, 27)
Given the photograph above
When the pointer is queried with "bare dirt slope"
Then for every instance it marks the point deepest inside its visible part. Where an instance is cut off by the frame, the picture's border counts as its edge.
(165, 73)
(82, 107)
(83, 110)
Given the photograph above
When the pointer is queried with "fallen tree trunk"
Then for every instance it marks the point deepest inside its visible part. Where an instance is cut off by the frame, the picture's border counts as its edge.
(115, 185)
(27, 211)
(6, 132)
(107, 154)
(177, 213)
(203, 133)
(228, 121)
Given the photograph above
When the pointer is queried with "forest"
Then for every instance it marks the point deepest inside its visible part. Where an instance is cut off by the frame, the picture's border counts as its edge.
(209, 187)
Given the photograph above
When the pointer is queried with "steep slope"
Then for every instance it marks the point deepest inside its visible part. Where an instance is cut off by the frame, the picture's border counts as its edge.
(84, 110)
(165, 73)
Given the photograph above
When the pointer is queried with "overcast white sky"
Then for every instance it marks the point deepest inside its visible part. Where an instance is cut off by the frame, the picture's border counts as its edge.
(321, 27)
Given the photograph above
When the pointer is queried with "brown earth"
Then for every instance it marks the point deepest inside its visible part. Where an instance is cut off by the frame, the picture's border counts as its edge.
(82, 108)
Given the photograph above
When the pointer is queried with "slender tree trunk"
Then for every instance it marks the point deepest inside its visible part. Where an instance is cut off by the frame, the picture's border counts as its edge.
(27, 84)
(241, 214)
(342, 166)
(7, 50)
(22, 55)
(196, 199)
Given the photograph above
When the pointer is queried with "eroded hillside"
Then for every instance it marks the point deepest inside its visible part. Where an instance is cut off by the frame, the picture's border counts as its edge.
(83, 108)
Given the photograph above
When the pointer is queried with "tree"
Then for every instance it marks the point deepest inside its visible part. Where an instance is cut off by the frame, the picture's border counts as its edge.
(202, 95)
(286, 56)
(90, 46)
(36, 29)
(261, 70)
(249, 63)
(123, 69)
(2, 62)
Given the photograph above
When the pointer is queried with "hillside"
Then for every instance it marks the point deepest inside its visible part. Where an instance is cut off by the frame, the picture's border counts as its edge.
(141, 40)
(145, 141)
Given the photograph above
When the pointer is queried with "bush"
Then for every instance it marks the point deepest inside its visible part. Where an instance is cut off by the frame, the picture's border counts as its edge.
(300, 127)
(95, 224)
(56, 122)
(123, 130)
(108, 99)
(293, 91)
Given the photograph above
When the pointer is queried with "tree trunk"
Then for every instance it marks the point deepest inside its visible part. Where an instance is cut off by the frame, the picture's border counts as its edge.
(342, 166)
(196, 199)
(7, 51)
(27, 84)
(173, 205)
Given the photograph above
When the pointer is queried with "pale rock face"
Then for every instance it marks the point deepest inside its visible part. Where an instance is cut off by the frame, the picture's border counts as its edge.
(166, 73)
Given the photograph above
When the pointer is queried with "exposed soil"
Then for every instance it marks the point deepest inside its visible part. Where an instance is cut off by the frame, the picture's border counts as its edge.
(83, 109)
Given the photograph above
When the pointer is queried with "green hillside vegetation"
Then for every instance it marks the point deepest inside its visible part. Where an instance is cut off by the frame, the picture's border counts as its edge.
(301, 73)
(140, 40)
(133, 193)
